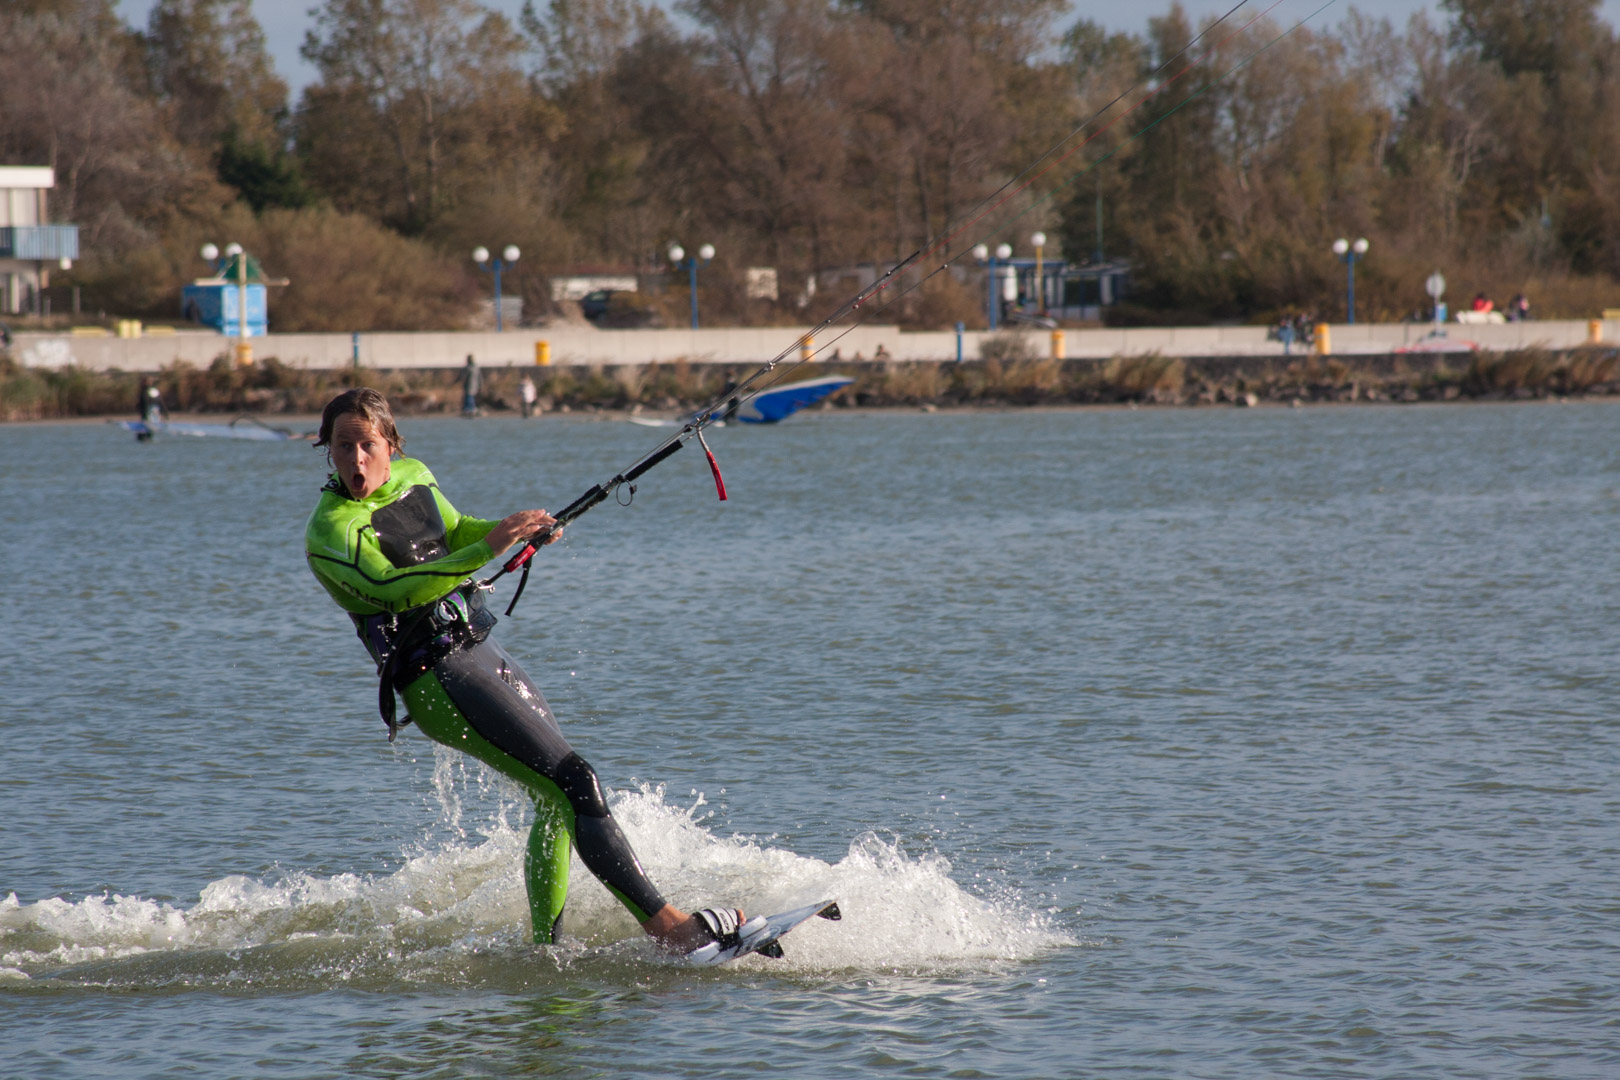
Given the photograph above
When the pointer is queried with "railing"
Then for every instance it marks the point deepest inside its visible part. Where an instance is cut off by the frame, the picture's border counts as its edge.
(39, 242)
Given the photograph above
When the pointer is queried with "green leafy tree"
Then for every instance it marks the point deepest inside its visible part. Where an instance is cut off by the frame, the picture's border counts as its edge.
(264, 176)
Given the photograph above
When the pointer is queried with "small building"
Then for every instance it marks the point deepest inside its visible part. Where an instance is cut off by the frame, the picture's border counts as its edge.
(30, 247)
(217, 301)
(1064, 290)
(1083, 291)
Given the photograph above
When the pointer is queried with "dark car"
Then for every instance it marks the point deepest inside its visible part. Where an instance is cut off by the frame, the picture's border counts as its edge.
(596, 303)
(619, 309)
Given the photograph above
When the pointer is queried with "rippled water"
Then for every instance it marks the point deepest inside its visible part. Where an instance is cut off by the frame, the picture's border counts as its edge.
(1150, 743)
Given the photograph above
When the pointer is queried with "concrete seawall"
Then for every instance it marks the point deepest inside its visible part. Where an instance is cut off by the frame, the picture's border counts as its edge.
(587, 346)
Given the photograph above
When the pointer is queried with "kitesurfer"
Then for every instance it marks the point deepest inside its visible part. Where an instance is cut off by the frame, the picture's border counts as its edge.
(150, 402)
(399, 558)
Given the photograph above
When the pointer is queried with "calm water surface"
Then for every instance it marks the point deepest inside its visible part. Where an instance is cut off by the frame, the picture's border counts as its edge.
(1155, 744)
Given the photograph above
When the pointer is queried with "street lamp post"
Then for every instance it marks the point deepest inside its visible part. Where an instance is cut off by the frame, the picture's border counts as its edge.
(1039, 240)
(1435, 286)
(678, 258)
(509, 255)
(983, 253)
(1349, 252)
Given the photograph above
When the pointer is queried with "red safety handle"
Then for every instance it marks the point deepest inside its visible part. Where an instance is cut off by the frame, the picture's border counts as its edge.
(714, 467)
(519, 559)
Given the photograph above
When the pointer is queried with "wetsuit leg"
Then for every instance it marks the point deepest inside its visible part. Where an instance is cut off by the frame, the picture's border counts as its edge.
(479, 701)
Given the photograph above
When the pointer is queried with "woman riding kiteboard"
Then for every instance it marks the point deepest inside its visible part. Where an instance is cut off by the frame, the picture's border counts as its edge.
(398, 557)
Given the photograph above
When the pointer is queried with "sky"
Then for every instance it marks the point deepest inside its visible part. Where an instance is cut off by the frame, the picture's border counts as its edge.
(285, 21)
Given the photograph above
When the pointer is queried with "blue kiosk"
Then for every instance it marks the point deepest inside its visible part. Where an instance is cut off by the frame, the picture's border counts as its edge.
(217, 301)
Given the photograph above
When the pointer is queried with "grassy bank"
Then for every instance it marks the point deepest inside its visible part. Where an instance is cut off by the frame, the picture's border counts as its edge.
(270, 387)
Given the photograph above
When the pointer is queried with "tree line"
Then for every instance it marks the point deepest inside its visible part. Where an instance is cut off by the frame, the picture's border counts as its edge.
(810, 134)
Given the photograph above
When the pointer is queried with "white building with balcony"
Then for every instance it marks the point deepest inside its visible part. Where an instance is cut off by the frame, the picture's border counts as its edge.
(30, 247)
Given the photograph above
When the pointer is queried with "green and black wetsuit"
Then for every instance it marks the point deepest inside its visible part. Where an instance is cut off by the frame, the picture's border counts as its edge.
(399, 562)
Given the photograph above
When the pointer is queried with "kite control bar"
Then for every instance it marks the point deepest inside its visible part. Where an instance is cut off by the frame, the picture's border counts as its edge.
(598, 493)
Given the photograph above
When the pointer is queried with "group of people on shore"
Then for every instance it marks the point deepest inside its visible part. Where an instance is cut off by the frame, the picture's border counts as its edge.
(1298, 328)
(1518, 309)
(472, 381)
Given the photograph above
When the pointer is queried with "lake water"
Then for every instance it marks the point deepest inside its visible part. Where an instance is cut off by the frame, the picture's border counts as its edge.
(1159, 743)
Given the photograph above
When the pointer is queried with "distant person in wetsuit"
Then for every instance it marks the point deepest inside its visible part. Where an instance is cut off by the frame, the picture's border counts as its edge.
(149, 403)
(399, 558)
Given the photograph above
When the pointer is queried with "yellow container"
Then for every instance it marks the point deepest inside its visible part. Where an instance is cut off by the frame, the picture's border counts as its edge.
(807, 349)
(244, 354)
(1594, 332)
(1324, 340)
(542, 353)
(1057, 345)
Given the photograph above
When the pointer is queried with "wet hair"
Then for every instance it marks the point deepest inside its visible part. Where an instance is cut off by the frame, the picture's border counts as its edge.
(369, 406)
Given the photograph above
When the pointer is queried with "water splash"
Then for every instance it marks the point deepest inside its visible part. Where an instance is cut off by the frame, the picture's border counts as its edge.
(455, 912)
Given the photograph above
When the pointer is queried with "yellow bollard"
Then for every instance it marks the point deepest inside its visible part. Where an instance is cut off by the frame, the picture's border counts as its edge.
(1324, 340)
(542, 353)
(807, 349)
(1594, 332)
(244, 354)
(1057, 345)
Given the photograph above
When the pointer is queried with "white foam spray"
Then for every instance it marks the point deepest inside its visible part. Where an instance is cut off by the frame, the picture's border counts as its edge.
(461, 894)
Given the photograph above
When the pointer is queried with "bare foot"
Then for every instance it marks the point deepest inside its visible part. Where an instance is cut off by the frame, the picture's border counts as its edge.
(677, 931)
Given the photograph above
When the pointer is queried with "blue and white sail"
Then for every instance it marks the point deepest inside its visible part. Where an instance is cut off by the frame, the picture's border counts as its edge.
(779, 402)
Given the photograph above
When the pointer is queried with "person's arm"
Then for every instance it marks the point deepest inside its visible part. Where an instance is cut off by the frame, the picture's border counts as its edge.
(462, 529)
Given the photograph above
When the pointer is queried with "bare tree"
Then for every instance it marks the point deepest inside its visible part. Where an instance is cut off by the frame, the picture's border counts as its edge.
(427, 78)
(208, 64)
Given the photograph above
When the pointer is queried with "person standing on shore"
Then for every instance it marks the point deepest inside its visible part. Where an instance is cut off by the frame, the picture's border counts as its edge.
(393, 553)
(471, 380)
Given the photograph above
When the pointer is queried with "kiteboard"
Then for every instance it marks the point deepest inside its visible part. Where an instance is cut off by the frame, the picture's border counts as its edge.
(763, 934)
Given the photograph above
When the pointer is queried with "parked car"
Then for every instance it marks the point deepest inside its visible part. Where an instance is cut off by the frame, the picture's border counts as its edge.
(596, 303)
(619, 309)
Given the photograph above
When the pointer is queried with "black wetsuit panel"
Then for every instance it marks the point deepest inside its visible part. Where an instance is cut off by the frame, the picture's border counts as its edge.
(410, 530)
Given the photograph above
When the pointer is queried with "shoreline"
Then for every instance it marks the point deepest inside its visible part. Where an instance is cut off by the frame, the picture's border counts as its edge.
(308, 422)
(271, 390)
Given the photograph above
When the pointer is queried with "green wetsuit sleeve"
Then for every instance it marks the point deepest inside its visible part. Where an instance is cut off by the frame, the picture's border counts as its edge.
(343, 552)
(462, 530)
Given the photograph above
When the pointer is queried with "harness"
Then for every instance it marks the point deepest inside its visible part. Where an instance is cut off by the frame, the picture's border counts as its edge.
(411, 531)
(410, 643)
